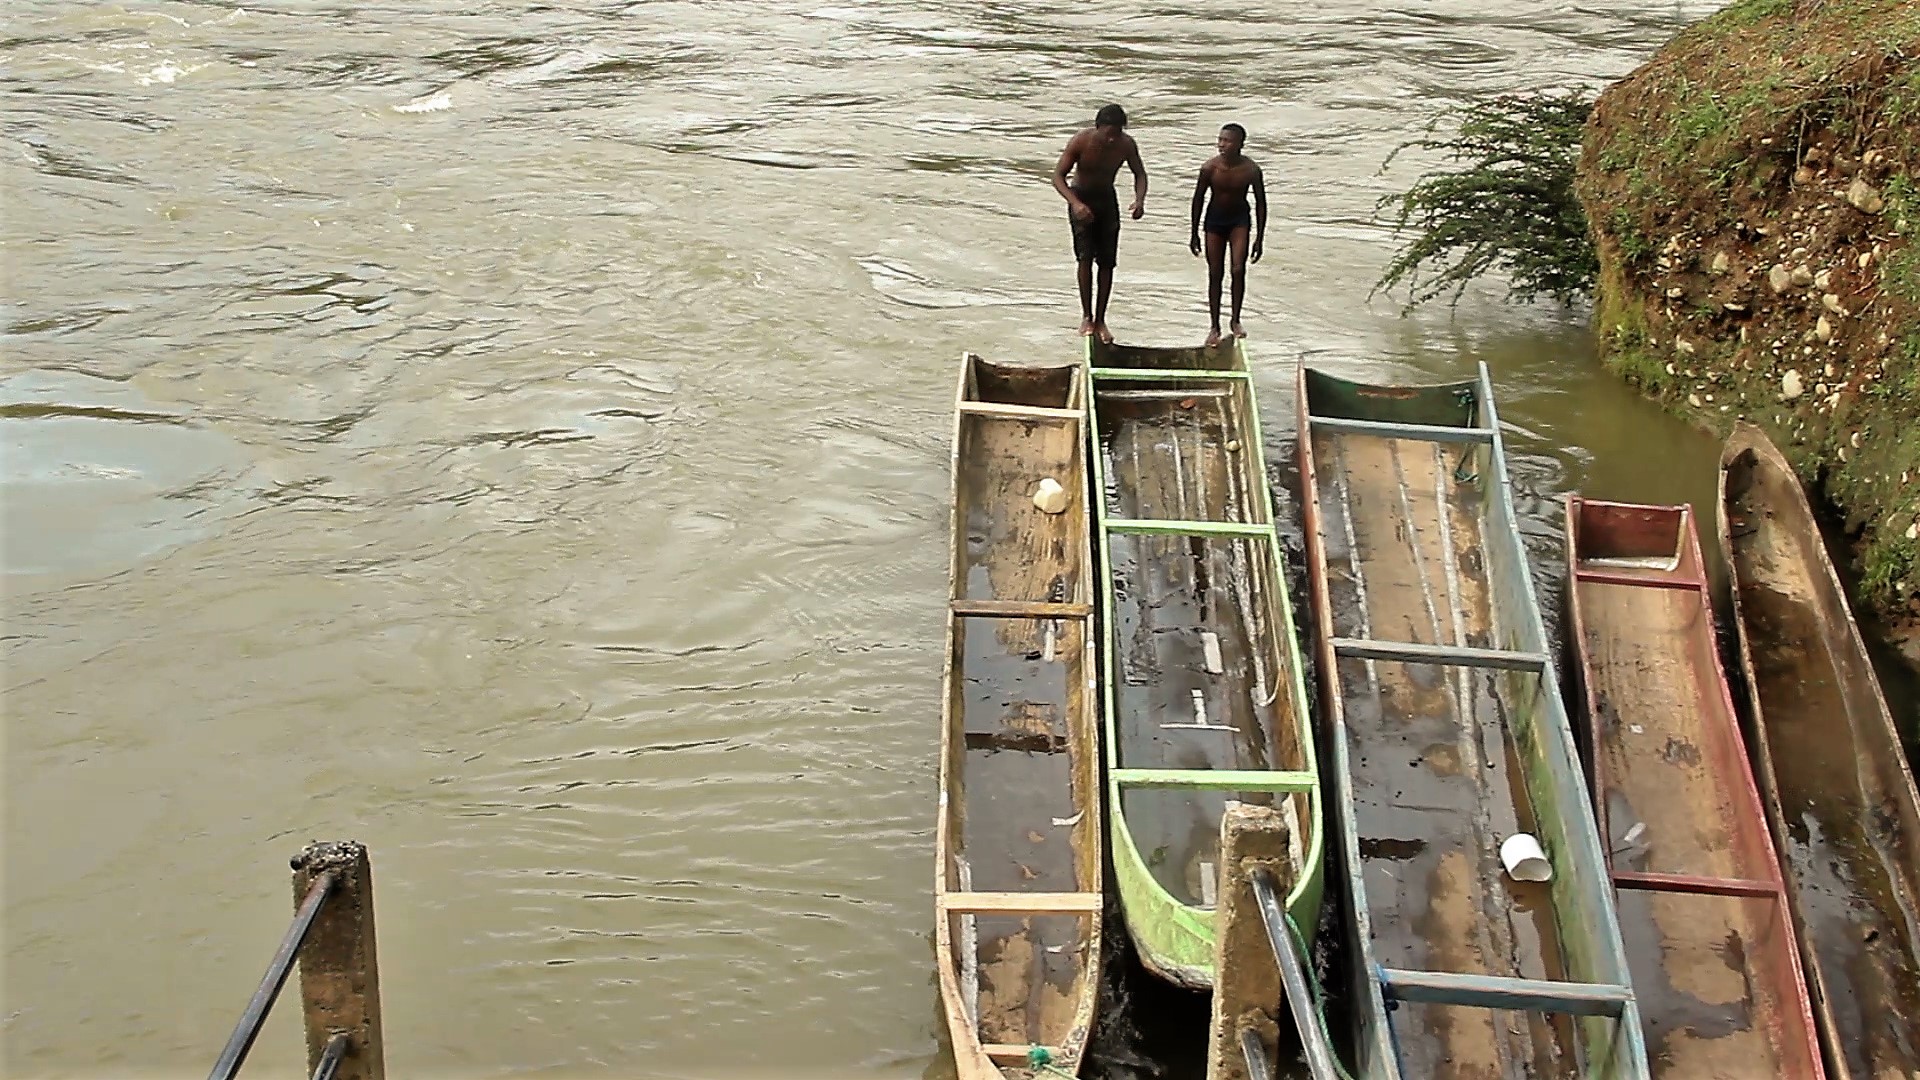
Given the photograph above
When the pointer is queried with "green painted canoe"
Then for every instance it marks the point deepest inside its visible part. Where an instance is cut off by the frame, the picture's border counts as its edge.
(1202, 690)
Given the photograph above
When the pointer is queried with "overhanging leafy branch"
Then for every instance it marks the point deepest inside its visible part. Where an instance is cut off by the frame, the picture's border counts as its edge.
(1510, 206)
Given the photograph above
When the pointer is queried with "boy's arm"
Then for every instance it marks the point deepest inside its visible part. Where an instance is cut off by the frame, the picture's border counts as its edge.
(1060, 170)
(1199, 200)
(1139, 179)
(1259, 213)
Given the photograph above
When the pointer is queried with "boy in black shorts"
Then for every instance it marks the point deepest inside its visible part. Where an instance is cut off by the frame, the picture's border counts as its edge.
(1094, 156)
(1229, 176)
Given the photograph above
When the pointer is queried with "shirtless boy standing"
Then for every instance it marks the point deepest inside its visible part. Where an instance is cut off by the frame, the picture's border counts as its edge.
(1229, 176)
(1094, 156)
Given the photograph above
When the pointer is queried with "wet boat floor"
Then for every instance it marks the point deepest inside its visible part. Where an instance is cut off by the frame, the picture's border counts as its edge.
(1201, 681)
(1856, 899)
(1023, 693)
(1436, 781)
(1714, 975)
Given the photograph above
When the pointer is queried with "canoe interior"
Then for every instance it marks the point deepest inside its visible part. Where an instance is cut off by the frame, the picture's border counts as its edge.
(1201, 674)
(1717, 975)
(1846, 818)
(1020, 775)
(1414, 541)
(1204, 674)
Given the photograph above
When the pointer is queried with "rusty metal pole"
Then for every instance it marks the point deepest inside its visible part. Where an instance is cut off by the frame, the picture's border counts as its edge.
(339, 967)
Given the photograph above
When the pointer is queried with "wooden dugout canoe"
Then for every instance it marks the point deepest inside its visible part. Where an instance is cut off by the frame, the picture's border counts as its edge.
(1446, 735)
(1703, 910)
(1204, 700)
(1018, 884)
(1837, 789)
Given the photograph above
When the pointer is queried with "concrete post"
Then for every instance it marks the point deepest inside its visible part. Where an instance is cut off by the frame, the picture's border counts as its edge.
(339, 968)
(1247, 992)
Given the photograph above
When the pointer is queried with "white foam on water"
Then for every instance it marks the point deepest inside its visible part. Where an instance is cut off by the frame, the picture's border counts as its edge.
(438, 101)
(166, 72)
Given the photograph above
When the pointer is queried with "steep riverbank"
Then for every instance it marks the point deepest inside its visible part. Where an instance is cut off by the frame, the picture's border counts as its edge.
(1753, 196)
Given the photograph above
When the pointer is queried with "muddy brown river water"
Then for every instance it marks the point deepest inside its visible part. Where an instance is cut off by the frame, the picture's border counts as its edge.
(516, 436)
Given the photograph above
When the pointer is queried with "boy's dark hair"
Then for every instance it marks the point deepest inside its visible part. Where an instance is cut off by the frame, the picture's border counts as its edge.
(1110, 116)
(1238, 132)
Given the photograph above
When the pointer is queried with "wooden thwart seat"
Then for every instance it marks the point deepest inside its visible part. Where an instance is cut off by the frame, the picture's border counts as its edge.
(1648, 581)
(1170, 527)
(1019, 609)
(1021, 903)
(1162, 374)
(1018, 412)
(1496, 992)
(1013, 1053)
(1444, 433)
(1685, 883)
(1408, 652)
(1216, 779)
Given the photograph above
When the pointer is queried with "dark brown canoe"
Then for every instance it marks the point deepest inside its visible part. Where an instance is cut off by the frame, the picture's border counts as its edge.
(1838, 792)
(1018, 882)
(1702, 906)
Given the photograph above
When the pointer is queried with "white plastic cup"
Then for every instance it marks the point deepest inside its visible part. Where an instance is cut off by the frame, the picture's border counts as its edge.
(1050, 497)
(1524, 859)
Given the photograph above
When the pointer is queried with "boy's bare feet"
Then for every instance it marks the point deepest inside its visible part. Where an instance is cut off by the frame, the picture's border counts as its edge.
(1086, 327)
(1213, 337)
(1238, 330)
(1105, 335)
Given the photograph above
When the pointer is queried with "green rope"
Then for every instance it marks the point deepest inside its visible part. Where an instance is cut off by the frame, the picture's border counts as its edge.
(1040, 1059)
(1319, 998)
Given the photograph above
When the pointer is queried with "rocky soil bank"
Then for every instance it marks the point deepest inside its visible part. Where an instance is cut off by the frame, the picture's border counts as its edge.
(1754, 193)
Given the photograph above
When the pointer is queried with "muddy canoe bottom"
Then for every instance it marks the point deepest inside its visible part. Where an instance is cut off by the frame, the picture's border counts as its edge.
(1838, 793)
(1702, 906)
(1019, 878)
(1206, 703)
(1448, 737)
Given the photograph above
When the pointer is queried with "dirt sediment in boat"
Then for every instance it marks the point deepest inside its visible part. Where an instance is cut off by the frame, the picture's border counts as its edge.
(1754, 191)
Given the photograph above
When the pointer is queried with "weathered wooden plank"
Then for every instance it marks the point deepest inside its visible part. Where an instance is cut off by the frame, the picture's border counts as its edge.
(1015, 1054)
(1162, 374)
(1020, 609)
(1178, 393)
(1650, 581)
(1408, 652)
(1444, 433)
(1168, 527)
(1007, 411)
(1216, 779)
(1490, 992)
(1017, 903)
(1688, 883)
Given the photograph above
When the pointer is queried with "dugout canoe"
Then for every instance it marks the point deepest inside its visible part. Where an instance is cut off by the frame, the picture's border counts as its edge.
(1446, 735)
(1838, 791)
(1703, 908)
(1203, 696)
(1018, 888)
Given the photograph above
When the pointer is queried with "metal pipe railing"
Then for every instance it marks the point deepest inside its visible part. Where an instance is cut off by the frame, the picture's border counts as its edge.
(1293, 977)
(332, 939)
(255, 1015)
(330, 1058)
